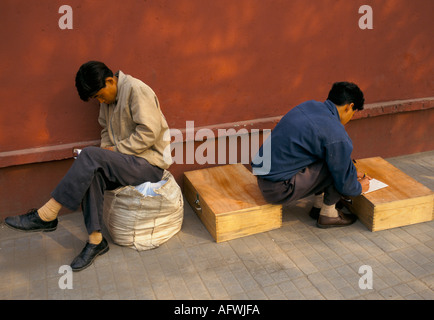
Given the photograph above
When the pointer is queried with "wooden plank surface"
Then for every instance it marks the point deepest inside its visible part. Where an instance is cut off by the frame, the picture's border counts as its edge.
(201, 209)
(227, 188)
(401, 186)
(402, 216)
(228, 201)
(405, 201)
(247, 222)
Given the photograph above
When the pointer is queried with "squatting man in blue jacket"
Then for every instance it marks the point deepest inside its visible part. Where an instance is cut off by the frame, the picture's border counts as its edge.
(310, 154)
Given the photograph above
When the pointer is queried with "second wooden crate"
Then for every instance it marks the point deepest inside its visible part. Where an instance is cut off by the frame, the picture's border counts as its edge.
(405, 201)
(229, 203)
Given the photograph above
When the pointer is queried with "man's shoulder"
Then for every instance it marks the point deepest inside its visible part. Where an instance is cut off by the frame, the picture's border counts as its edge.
(308, 110)
(128, 81)
(322, 120)
(312, 106)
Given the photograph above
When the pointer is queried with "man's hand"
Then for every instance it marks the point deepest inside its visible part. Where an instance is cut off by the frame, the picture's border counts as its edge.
(364, 181)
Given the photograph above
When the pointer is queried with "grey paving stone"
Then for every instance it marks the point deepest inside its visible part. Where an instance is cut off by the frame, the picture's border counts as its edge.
(297, 261)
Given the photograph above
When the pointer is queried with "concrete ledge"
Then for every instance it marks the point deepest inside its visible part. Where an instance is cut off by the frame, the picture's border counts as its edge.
(64, 151)
(385, 108)
(42, 154)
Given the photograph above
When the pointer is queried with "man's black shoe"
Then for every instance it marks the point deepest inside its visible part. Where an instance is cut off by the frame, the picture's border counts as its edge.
(314, 213)
(30, 222)
(89, 253)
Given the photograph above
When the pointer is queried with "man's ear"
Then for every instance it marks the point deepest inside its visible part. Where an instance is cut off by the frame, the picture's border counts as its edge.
(109, 80)
(350, 106)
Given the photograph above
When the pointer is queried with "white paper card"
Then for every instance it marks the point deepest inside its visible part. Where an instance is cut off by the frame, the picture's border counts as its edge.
(374, 185)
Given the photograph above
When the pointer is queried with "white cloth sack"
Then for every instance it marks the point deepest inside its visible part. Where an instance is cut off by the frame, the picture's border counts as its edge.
(142, 221)
(147, 188)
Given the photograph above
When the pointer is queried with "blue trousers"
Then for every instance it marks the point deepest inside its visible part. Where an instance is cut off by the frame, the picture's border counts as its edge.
(96, 170)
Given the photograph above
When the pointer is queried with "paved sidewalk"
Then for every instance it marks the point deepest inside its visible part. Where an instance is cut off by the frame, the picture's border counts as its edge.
(297, 261)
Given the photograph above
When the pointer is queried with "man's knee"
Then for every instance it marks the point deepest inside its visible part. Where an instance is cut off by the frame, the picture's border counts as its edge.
(91, 156)
(90, 152)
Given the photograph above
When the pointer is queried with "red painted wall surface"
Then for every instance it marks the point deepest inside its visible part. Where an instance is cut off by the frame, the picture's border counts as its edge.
(209, 61)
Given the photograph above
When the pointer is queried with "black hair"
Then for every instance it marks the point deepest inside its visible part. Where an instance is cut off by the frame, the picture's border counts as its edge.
(90, 79)
(343, 93)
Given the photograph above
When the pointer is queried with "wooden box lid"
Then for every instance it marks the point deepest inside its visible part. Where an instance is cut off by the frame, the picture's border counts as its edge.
(401, 186)
(227, 188)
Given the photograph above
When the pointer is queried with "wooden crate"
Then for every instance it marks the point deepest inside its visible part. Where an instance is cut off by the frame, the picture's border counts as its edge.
(229, 203)
(405, 201)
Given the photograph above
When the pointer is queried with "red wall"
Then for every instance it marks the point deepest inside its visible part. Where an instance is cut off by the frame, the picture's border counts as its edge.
(209, 61)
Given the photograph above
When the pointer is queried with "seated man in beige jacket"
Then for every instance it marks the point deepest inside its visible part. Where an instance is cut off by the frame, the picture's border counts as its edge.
(131, 153)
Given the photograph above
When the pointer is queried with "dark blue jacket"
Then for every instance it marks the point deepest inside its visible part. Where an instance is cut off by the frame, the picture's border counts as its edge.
(310, 132)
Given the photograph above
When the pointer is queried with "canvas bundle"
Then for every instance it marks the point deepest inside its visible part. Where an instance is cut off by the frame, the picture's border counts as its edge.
(141, 221)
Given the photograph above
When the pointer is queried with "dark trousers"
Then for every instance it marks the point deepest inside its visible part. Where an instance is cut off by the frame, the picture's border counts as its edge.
(314, 179)
(95, 171)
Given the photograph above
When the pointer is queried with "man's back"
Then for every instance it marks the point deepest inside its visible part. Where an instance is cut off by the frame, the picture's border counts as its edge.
(308, 133)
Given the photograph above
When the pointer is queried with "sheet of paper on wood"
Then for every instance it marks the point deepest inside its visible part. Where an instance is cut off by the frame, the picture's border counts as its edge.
(375, 185)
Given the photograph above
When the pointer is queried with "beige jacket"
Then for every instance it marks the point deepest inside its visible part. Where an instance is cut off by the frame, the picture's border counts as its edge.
(135, 125)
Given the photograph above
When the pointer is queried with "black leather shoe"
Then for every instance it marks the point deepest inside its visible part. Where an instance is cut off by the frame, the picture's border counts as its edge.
(89, 253)
(314, 213)
(30, 222)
